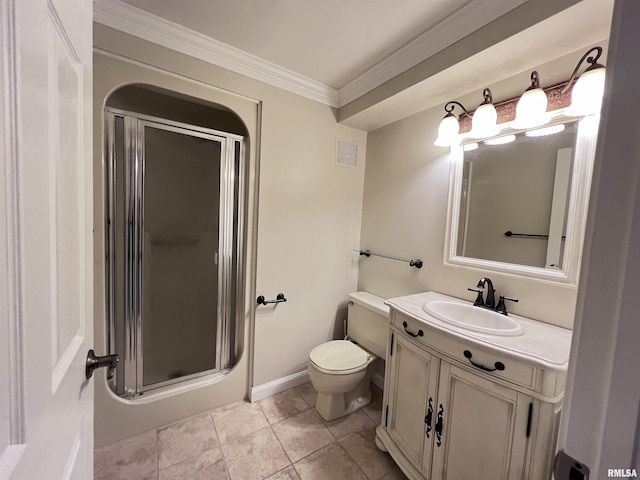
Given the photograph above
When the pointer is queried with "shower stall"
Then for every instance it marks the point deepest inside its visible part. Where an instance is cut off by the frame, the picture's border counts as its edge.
(174, 239)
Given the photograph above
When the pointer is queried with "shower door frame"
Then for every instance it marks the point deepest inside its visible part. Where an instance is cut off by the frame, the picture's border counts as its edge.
(231, 155)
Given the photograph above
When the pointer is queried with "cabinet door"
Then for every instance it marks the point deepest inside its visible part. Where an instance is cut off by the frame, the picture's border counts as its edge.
(484, 428)
(413, 387)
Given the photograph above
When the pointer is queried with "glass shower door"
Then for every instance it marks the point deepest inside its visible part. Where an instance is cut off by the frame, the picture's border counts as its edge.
(181, 205)
(173, 234)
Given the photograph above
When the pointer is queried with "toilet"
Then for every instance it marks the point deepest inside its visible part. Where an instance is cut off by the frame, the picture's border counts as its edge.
(340, 370)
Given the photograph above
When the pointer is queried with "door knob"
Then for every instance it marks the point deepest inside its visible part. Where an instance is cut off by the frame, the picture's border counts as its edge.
(93, 362)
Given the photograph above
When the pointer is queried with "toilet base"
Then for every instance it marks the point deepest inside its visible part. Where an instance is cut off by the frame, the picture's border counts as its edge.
(335, 405)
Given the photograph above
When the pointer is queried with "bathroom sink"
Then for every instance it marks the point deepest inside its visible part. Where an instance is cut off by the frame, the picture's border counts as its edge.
(472, 318)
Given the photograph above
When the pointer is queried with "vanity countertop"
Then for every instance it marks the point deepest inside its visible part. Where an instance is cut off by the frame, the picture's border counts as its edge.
(540, 343)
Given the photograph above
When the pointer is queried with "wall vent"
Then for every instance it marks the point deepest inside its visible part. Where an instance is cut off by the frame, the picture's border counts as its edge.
(346, 153)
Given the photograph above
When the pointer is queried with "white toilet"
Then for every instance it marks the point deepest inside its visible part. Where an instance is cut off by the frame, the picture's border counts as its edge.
(341, 370)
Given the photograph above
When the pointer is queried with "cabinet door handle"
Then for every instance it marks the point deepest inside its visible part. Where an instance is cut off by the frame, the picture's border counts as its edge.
(497, 366)
(439, 426)
(429, 417)
(419, 334)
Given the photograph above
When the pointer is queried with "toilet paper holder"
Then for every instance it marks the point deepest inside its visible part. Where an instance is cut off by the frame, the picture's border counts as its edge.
(280, 298)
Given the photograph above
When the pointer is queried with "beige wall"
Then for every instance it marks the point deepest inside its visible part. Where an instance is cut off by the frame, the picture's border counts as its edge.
(405, 208)
(307, 223)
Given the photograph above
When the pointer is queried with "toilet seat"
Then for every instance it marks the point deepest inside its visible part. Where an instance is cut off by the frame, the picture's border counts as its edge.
(339, 357)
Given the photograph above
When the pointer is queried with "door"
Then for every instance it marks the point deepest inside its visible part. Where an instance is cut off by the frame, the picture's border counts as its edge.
(484, 428)
(412, 398)
(46, 285)
(600, 423)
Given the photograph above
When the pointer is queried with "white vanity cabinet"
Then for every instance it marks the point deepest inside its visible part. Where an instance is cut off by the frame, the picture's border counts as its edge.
(446, 418)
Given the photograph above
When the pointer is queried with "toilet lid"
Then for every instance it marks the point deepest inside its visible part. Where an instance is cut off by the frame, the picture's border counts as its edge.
(338, 355)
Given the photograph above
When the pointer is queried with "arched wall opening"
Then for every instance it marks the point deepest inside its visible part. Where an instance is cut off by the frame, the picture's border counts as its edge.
(178, 375)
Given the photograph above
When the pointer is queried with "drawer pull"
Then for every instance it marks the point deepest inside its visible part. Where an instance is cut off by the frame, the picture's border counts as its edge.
(419, 334)
(498, 365)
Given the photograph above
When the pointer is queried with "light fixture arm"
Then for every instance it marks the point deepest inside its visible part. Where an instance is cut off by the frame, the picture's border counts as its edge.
(535, 81)
(488, 96)
(593, 64)
(452, 104)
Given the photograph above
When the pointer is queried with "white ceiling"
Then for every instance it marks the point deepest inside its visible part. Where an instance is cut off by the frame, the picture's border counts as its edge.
(341, 51)
(330, 41)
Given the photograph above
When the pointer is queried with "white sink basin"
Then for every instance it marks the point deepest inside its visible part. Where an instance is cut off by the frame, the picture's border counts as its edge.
(472, 318)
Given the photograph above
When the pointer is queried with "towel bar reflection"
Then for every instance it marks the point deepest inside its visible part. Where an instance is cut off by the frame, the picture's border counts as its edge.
(280, 298)
(412, 263)
(509, 233)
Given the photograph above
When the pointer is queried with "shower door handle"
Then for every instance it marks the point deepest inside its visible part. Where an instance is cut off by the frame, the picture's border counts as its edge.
(94, 362)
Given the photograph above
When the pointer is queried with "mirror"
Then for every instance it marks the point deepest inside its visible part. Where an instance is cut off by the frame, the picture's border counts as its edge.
(514, 199)
(520, 207)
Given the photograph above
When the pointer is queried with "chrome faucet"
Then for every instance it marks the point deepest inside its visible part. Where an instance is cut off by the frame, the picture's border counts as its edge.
(486, 284)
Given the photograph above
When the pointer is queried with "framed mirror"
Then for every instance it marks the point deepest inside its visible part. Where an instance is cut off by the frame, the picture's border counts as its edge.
(518, 202)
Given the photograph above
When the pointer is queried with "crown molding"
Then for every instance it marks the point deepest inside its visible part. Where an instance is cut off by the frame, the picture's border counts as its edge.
(147, 26)
(474, 15)
(134, 21)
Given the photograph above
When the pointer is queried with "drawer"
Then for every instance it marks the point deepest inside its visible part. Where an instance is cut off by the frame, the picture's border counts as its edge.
(477, 357)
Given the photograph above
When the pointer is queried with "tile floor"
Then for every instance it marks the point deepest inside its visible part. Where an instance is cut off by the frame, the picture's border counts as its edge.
(278, 438)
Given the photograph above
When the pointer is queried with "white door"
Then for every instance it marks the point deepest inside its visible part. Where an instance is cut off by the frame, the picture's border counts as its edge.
(600, 423)
(46, 284)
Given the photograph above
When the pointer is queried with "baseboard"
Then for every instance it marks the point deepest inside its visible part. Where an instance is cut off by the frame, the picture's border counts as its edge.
(378, 380)
(285, 383)
(280, 385)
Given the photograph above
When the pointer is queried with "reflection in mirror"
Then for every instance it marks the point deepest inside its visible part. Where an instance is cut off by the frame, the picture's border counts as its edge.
(536, 188)
(514, 199)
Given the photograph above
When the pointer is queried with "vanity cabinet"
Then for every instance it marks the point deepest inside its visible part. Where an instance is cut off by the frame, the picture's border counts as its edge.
(457, 409)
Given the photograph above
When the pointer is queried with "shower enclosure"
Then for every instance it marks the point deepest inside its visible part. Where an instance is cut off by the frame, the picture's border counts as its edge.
(174, 250)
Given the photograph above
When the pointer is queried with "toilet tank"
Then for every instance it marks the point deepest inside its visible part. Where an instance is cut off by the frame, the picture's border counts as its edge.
(367, 323)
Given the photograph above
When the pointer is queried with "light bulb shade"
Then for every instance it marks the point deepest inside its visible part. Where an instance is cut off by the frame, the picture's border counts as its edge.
(501, 140)
(543, 132)
(483, 122)
(587, 93)
(448, 132)
(531, 110)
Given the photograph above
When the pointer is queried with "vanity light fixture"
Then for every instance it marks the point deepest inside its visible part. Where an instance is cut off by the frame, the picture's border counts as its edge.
(587, 93)
(543, 132)
(501, 140)
(449, 127)
(483, 122)
(531, 110)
